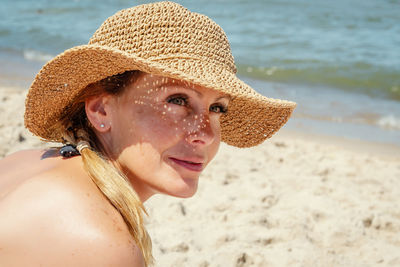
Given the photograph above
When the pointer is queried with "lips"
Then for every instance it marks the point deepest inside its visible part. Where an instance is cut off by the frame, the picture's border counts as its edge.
(191, 165)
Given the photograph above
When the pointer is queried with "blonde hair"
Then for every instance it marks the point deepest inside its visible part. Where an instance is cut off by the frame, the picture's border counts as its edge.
(110, 180)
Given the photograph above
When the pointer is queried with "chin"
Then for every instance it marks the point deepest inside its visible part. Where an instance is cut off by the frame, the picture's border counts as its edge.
(185, 189)
(185, 194)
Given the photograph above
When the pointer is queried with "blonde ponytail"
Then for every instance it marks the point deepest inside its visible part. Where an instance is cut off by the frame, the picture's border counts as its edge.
(112, 183)
(120, 193)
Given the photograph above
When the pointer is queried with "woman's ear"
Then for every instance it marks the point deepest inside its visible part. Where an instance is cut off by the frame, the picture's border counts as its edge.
(96, 112)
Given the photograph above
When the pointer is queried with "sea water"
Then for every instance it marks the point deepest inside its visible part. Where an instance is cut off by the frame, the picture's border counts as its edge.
(340, 60)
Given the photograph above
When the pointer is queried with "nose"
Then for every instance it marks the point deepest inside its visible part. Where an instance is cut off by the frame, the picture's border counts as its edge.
(201, 131)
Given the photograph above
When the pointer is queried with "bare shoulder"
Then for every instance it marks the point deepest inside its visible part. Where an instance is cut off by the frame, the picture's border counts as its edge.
(21, 165)
(59, 218)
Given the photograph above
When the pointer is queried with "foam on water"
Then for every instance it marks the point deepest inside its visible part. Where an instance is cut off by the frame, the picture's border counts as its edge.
(390, 122)
(37, 56)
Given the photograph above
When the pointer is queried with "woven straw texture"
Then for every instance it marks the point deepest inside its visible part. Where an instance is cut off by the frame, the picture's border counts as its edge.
(162, 38)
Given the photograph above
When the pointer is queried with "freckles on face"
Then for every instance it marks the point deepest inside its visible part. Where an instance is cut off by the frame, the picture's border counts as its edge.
(165, 132)
(150, 116)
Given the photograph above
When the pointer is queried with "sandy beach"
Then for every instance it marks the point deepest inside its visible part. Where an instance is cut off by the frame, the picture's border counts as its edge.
(296, 200)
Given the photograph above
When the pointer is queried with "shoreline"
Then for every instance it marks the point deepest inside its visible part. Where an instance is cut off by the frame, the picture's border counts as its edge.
(330, 111)
(349, 144)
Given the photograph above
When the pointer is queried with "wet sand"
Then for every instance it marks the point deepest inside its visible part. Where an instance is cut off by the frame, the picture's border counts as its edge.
(296, 200)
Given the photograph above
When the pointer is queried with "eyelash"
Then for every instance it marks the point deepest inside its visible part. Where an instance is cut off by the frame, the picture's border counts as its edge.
(222, 108)
(173, 100)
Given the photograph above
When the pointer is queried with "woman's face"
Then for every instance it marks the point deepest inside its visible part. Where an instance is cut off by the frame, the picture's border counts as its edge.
(163, 132)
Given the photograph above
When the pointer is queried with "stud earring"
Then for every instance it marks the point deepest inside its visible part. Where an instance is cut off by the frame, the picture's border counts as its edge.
(102, 125)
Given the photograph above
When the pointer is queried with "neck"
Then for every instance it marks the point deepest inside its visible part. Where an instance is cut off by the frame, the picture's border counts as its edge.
(143, 191)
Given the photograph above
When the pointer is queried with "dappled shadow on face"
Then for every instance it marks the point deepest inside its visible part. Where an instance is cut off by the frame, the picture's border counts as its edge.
(155, 108)
(157, 121)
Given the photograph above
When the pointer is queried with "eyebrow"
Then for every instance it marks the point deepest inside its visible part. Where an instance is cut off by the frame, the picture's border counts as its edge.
(186, 84)
(228, 97)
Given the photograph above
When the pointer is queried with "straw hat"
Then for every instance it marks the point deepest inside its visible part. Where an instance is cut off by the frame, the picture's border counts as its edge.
(162, 38)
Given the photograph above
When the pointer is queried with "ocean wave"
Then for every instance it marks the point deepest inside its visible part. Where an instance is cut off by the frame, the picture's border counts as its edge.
(358, 77)
(38, 56)
(58, 10)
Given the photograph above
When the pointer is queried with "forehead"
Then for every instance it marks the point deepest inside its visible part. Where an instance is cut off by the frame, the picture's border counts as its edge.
(151, 83)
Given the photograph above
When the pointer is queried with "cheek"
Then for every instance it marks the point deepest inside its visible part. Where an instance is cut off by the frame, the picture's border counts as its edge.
(216, 129)
(153, 123)
(167, 122)
(141, 159)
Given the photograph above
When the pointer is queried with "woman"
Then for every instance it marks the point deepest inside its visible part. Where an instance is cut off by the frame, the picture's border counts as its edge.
(140, 110)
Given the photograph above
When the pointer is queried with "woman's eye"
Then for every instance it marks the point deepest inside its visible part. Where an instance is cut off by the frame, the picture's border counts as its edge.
(177, 100)
(218, 109)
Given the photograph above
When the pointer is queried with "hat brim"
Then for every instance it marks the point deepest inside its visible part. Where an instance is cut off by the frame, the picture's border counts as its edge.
(251, 117)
